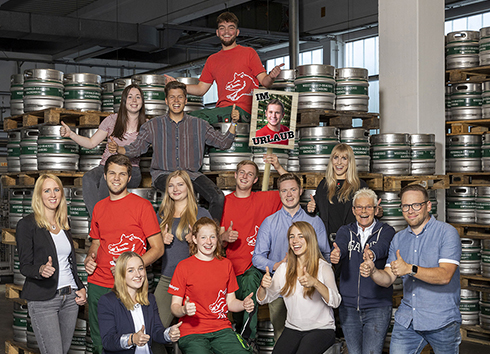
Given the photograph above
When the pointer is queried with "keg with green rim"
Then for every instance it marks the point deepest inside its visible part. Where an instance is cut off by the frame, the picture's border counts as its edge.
(83, 91)
(90, 158)
(82, 273)
(433, 201)
(485, 263)
(19, 325)
(358, 140)
(484, 46)
(282, 157)
(194, 103)
(423, 156)
(485, 97)
(463, 153)
(390, 154)
(31, 337)
(27, 202)
(13, 151)
(316, 86)
(226, 160)
(392, 212)
(107, 96)
(265, 336)
(119, 86)
(293, 156)
(55, 152)
(16, 208)
(351, 89)
(469, 307)
(28, 149)
(482, 205)
(315, 147)
(153, 88)
(470, 256)
(462, 49)
(285, 81)
(78, 341)
(448, 102)
(460, 205)
(466, 101)
(78, 212)
(43, 88)
(16, 94)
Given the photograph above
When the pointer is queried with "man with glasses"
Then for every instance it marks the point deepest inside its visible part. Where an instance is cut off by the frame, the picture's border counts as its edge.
(365, 311)
(426, 256)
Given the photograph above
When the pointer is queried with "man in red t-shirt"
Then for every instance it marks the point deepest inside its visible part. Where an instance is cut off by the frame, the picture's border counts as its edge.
(121, 222)
(236, 70)
(243, 213)
(274, 113)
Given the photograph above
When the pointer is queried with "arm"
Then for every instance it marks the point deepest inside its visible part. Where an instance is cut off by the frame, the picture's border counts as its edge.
(270, 288)
(262, 248)
(137, 147)
(88, 143)
(235, 305)
(268, 79)
(274, 161)
(329, 286)
(179, 310)
(89, 261)
(156, 249)
(108, 320)
(382, 277)
(198, 90)
(217, 139)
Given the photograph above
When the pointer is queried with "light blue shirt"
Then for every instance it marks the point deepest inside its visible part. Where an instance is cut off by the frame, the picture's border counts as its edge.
(429, 306)
(272, 240)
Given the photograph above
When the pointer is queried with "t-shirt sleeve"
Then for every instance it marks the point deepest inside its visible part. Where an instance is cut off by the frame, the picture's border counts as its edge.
(108, 124)
(149, 219)
(178, 282)
(450, 250)
(255, 63)
(206, 74)
(94, 225)
(232, 282)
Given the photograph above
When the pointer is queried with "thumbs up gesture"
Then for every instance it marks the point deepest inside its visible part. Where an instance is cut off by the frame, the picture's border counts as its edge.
(266, 279)
(112, 145)
(311, 204)
(306, 280)
(399, 267)
(90, 264)
(235, 114)
(65, 130)
(368, 254)
(188, 237)
(47, 270)
(335, 254)
(189, 307)
(248, 303)
(379, 210)
(230, 235)
(167, 237)
(140, 338)
(174, 332)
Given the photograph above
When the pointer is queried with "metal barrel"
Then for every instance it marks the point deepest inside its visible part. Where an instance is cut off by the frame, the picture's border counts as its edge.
(466, 101)
(470, 256)
(469, 307)
(226, 160)
(285, 81)
(19, 278)
(448, 102)
(351, 89)
(462, 49)
(194, 103)
(485, 264)
(16, 94)
(153, 87)
(484, 46)
(150, 194)
(463, 153)
(392, 212)
(316, 86)
(79, 216)
(482, 205)
(28, 149)
(265, 336)
(358, 140)
(83, 91)
(460, 205)
(315, 147)
(43, 88)
(423, 155)
(13, 151)
(55, 152)
(485, 100)
(90, 158)
(107, 96)
(19, 325)
(390, 154)
(119, 86)
(16, 208)
(27, 202)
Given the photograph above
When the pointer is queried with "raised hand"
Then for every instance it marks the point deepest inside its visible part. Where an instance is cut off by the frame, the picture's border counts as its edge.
(189, 307)
(174, 332)
(112, 145)
(335, 254)
(65, 130)
(167, 237)
(188, 237)
(47, 270)
(276, 71)
(266, 279)
(399, 267)
(306, 280)
(90, 264)
(248, 303)
(140, 338)
(368, 254)
(379, 209)
(230, 235)
(311, 205)
(235, 114)
(113, 268)
(168, 78)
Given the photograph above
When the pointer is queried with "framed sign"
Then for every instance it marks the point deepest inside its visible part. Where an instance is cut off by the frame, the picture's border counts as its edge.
(273, 119)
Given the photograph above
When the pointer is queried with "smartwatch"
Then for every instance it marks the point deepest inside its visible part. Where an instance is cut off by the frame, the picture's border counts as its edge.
(414, 271)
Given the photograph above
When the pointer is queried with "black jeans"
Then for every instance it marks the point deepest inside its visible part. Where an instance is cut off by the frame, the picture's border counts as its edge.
(206, 188)
(315, 341)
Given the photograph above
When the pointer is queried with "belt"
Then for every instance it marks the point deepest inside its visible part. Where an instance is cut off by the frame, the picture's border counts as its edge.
(64, 290)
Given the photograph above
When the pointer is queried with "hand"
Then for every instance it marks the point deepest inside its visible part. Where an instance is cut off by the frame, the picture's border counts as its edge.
(248, 303)
(235, 114)
(112, 145)
(306, 280)
(266, 279)
(188, 237)
(277, 264)
(90, 264)
(169, 78)
(140, 338)
(167, 237)
(113, 268)
(47, 270)
(230, 235)
(174, 332)
(276, 71)
(311, 204)
(335, 254)
(399, 267)
(367, 267)
(65, 130)
(379, 210)
(189, 307)
(368, 254)
(272, 159)
(81, 297)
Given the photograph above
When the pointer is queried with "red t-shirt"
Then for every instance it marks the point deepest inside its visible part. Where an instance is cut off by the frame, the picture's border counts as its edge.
(120, 225)
(247, 215)
(264, 131)
(235, 72)
(206, 283)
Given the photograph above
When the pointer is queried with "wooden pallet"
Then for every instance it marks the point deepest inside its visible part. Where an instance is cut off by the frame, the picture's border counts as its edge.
(396, 183)
(397, 297)
(339, 119)
(476, 74)
(472, 127)
(475, 282)
(53, 116)
(476, 231)
(8, 237)
(374, 181)
(473, 179)
(12, 347)
(12, 292)
(475, 334)
(28, 179)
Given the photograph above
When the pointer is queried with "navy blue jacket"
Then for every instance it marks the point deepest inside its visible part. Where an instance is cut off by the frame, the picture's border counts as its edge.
(115, 320)
(357, 291)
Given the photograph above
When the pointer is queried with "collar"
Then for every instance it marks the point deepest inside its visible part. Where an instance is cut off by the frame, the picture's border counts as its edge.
(368, 230)
(295, 214)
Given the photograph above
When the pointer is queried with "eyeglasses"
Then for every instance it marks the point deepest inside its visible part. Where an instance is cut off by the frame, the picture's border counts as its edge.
(414, 206)
(368, 208)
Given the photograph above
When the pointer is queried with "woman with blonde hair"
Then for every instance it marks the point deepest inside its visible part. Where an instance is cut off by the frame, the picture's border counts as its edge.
(52, 287)
(177, 213)
(307, 284)
(128, 316)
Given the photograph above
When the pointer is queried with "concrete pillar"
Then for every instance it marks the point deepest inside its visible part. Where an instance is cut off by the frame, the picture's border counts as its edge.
(411, 70)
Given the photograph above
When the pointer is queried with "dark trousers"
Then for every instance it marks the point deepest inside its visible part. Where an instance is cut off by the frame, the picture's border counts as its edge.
(316, 341)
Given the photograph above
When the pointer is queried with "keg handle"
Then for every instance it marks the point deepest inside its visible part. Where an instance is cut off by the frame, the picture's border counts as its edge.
(28, 73)
(460, 35)
(136, 81)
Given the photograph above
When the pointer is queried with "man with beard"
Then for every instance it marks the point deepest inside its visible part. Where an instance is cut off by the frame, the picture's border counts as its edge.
(121, 222)
(426, 256)
(237, 71)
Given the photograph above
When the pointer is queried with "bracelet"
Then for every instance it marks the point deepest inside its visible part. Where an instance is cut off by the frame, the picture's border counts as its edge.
(132, 343)
(234, 124)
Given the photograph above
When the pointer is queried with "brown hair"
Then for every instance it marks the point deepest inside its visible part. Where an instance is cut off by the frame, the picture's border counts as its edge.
(174, 85)
(416, 188)
(248, 162)
(288, 177)
(227, 17)
(351, 183)
(118, 159)
(277, 102)
(122, 116)
(198, 225)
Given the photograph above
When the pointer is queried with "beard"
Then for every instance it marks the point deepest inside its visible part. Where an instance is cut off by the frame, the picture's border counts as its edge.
(229, 42)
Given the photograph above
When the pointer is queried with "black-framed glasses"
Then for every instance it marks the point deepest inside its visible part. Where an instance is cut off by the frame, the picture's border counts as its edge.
(414, 206)
(368, 208)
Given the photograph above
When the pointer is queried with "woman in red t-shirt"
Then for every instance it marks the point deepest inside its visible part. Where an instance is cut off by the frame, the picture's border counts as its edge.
(207, 282)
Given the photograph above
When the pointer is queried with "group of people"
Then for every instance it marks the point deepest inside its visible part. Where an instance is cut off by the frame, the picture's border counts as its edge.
(276, 251)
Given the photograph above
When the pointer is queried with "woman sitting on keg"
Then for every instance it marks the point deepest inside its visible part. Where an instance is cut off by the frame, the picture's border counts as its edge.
(307, 284)
(128, 316)
(203, 288)
(52, 287)
(177, 213)
(123, 128)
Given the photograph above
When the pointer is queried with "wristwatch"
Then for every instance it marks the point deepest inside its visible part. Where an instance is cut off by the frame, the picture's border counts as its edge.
(414, 271)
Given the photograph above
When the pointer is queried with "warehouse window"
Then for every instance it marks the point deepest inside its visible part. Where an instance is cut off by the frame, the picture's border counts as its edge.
(305, 58)
(470, 23)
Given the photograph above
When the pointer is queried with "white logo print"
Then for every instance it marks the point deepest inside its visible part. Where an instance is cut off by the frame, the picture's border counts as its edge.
(126, 243)
(242, 84)
(218, 306)
(252, 239)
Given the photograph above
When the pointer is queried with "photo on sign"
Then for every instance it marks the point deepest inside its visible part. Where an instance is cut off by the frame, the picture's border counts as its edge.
(273, 121)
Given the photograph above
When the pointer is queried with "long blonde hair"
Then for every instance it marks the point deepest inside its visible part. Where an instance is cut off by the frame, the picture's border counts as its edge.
(61, 215)
(351, 183)
(120, 287)
(312, 257)
(167, 207)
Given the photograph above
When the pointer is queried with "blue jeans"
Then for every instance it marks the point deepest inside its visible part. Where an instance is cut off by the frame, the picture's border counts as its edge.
(95, 187)
(365, 329)
(444, 340)
(53, 322)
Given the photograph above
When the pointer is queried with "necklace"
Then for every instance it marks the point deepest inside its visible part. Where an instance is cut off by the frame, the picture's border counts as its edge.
(53, 227)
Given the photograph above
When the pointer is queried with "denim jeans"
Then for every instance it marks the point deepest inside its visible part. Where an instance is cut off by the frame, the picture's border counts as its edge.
(53, 322)
(365, 329)
(95, 187)
(444, 340)
(206, 188)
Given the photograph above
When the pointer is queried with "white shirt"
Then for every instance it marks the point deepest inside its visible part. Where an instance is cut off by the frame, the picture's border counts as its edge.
(63, 251)
(364, 234)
